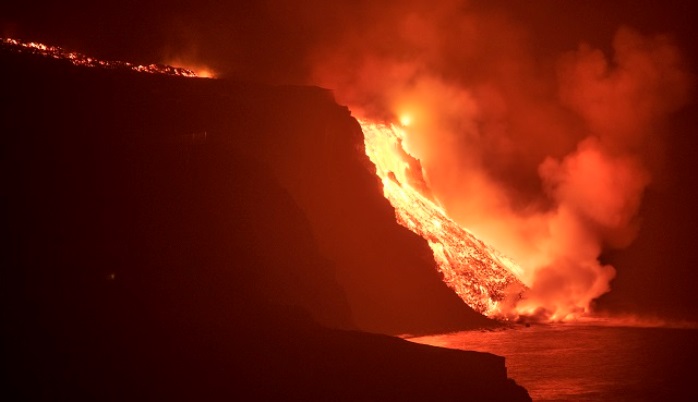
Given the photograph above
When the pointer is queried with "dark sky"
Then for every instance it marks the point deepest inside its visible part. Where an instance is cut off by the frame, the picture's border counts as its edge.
(285, 42)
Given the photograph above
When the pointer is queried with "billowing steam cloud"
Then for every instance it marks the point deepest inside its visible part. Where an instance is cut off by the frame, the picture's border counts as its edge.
(546, 159)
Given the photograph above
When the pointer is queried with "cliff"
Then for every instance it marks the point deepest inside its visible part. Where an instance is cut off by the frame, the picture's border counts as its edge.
(172, 238)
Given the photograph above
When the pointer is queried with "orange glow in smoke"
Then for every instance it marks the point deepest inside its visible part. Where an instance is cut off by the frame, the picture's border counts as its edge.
(200, 70)
(204, 72)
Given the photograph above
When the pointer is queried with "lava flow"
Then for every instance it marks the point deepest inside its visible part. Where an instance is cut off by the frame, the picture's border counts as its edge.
(79, 59)
(485, 279)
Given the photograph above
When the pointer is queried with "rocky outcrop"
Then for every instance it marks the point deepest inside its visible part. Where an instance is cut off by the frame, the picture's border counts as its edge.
(181, 239)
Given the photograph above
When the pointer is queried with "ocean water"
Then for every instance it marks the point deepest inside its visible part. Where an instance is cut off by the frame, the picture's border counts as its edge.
(590, 363)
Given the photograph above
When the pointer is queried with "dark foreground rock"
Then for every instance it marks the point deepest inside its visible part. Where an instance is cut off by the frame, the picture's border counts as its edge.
(177, 239)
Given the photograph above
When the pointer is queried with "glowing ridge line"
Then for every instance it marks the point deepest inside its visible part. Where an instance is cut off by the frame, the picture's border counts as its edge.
(82, 60)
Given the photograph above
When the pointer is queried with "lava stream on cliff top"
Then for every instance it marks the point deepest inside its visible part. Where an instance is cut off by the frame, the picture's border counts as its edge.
(485, 279)
(82, 60)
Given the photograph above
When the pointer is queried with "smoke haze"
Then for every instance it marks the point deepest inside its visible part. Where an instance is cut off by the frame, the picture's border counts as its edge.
(546, 159)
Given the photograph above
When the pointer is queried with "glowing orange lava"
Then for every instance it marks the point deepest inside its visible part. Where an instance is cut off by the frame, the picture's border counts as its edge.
(79, 59)
(485, 279)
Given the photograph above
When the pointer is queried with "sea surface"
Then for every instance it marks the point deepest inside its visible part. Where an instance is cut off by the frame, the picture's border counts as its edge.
(566, 362)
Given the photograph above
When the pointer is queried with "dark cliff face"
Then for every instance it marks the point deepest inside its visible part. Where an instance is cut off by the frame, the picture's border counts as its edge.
(309, 145)
(179, 239)
(315, 149)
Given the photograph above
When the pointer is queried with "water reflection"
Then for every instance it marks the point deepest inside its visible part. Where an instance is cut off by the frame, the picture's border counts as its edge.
(589, 363)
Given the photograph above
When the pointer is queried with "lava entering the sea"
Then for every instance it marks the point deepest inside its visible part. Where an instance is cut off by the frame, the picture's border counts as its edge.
(485, 279)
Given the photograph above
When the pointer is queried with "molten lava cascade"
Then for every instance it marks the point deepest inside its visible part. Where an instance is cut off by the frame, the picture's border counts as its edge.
(85, 61)
(485, 279)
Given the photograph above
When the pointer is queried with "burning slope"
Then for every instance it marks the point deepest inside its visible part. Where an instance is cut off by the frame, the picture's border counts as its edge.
(485, 279)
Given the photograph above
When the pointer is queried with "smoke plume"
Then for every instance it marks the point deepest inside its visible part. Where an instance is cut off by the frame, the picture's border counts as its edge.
(545, 158)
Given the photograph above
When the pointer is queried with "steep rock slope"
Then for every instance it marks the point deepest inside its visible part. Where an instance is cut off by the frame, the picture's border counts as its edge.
(312, 147)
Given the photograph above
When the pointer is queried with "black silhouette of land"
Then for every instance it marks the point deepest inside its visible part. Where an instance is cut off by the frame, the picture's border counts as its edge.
(187, 239)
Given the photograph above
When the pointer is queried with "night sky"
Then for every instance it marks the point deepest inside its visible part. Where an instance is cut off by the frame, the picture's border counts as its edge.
(284, 42)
